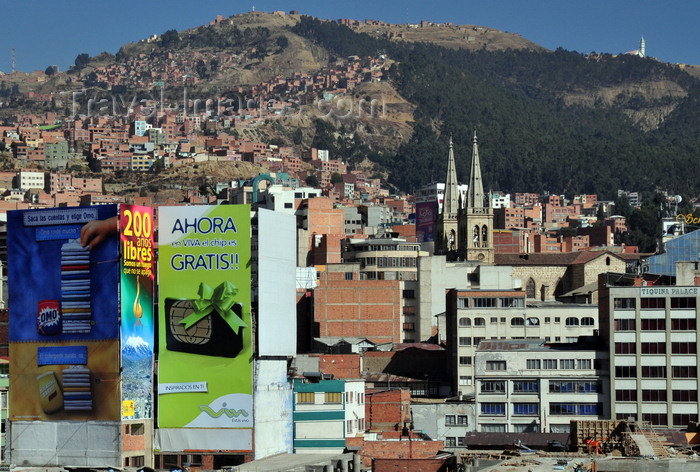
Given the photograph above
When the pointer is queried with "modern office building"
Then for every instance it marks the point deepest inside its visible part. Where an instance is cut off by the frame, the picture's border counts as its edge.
(652, 334)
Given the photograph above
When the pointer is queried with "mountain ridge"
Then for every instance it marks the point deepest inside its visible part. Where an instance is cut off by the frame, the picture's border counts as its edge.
(541, 107)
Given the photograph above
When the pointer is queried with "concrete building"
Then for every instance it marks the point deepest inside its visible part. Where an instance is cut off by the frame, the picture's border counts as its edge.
(500, 200)
(447, 420)
(29, 179)
(527, 385)
(499, 312)
(326, 412)
(285, 199)
(384, 257)
(353, 220)
(652, 334)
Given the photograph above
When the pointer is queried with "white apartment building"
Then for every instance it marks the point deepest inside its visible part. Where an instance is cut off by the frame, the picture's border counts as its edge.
(29, 179)
(475, 315)
(528, 385)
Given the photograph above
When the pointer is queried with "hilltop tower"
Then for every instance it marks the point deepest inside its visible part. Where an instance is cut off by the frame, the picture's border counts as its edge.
(446, 227)
(642, 48)
(475, 222)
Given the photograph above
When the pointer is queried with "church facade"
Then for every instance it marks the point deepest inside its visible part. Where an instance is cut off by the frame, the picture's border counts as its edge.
(464, 230)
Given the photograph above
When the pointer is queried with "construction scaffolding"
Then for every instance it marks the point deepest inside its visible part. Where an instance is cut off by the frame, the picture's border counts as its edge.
(630, 438)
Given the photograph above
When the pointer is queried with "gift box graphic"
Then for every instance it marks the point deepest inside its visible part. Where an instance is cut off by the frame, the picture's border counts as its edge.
(211, 325)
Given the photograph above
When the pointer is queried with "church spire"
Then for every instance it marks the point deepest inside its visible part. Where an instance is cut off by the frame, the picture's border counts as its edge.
(450, 205)
(475, 194)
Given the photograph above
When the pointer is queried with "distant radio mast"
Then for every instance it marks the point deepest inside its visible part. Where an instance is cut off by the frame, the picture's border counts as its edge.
(14, 62)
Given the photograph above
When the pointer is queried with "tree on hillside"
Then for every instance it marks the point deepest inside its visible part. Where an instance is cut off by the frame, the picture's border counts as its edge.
(282, 42)
(201, 69)
(297, 136)
(170, 39)
(645, 225)
(312, 180)
(82, 60)
(336, 178)
(51, 70)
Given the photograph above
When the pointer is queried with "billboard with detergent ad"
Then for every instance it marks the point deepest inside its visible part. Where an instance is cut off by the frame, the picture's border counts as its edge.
(63, 276)
(204, 302)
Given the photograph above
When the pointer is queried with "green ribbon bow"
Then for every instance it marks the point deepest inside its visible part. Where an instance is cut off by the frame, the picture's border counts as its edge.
(219, 300)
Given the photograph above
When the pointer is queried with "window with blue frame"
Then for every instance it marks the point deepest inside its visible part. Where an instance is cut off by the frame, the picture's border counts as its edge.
(525, 386)
(560, 386)
(587, 387)
(562, 408)
(582, 409)
(493, 409)
(589, 409)
(578, 386)
(526, 409)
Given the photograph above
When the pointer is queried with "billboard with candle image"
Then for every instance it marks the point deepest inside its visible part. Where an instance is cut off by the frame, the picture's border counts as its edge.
(136, 229)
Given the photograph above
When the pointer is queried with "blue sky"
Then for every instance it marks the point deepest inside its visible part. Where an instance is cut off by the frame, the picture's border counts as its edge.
(46, 32)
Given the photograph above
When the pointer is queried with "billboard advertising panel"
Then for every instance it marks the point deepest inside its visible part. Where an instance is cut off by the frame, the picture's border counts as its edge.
(426, 213)
(205, 353)
(276, 311)
(137, 324)
(63, 275)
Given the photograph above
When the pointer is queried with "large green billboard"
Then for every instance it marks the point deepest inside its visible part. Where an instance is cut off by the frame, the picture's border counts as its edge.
(205, 354)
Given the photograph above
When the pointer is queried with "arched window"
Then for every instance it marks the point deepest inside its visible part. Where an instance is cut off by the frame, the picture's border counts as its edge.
(530, 289)
(465, 322)
(607, 260)
(484, 236)
(479, 322)
(517, 321)
(572, 321)
(533, 321)
(476, 236)
(452, 243)
(587, 321)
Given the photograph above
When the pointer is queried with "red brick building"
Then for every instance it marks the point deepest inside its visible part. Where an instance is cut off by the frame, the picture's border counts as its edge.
(387, 410)
(363, 308)
(394, 445)
(326, 229)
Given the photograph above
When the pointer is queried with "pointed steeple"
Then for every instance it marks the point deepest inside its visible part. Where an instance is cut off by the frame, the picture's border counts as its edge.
(475, 194)
(450, 203)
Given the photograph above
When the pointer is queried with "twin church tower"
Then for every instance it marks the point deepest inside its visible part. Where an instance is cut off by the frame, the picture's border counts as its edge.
(464, 230)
